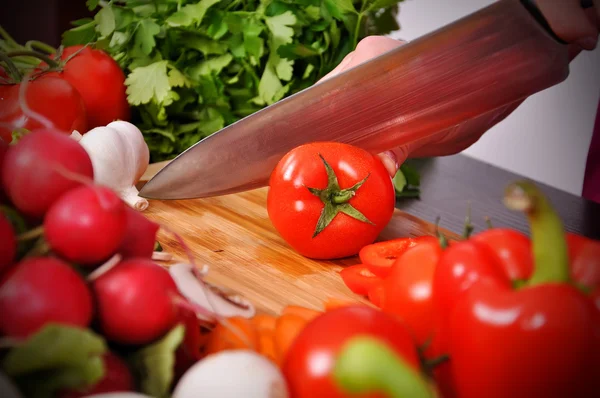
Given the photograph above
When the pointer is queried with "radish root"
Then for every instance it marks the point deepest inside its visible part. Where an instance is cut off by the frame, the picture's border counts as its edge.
(104, 268)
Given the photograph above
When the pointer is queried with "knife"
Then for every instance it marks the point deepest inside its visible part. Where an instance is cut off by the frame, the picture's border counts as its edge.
(493, 57)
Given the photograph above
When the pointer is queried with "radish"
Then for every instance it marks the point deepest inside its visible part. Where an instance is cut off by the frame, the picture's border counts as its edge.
(8, 243)
(232, 373)
(117, 378)
(136, 302)
(39, 290)
(86, 225)
(42, 166)
(140, 235)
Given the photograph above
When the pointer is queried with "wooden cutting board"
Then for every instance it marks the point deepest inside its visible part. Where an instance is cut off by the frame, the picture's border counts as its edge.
(233, 235)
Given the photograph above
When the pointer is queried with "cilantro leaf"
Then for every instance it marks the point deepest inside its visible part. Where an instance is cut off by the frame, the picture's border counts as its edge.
(144, 36)
(154, 364)
(105, 21)
(280, 26)
(92, 4)
(178, 79)
(82, 34)
(146, 83)
(191, 13)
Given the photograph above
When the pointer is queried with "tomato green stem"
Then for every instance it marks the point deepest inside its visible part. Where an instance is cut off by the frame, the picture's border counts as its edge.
(365, 365)
(468, 224)
(443, 240)
(38, 45)
(488, 222)
(8, 38)
(550, 251)
(51, 63)
(31, 234)
(335, 200)
(11, 67)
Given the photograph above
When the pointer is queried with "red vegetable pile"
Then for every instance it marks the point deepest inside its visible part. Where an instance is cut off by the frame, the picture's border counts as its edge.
(505, 315)
(72, 88)
(79, 291)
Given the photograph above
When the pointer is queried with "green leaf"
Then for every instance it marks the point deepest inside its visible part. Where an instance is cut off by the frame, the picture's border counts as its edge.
(154, 364)
(399, 181)
(411, 173)
(347, 6)
(148, 83)
(211, 65)
(105, 21)
(204, 45)
(280, 26)
(295, 51)
(144, 36)
(178, 79)
(56, 357)
(379, 4)
(269, 86)
(191, 13)
(92, 4)
(82, 34)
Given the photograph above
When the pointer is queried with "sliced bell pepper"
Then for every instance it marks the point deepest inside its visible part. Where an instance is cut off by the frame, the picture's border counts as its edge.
(359, 279)
(511, 334)
(380, 256)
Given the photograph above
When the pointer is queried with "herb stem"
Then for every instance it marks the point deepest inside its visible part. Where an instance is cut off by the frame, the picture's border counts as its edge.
(10, 65)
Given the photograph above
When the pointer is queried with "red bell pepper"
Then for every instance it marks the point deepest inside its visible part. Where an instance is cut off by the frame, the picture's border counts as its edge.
(511, 332)
(380, 256)
(359, 279)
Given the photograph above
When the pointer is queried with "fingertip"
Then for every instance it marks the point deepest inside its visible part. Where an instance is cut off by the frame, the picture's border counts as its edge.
(390, 162)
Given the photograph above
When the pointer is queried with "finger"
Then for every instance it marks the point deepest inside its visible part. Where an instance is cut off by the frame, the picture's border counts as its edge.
(368, 48)
(570, 22)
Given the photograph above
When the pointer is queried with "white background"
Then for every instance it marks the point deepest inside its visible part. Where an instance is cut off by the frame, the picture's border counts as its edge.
(547, 138)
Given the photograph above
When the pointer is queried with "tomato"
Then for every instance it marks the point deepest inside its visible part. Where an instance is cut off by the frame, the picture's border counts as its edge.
(100, 81)
(328, 199)
(380, 256)
(376, 294)
(53, 98)
(409, 290)
(359, 279)
(308, 364)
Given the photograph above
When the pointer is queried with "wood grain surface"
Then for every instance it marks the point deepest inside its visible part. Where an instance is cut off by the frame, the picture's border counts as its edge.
(233, 235)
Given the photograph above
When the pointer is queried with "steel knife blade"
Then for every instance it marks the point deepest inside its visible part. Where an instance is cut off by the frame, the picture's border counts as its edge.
(490, 58)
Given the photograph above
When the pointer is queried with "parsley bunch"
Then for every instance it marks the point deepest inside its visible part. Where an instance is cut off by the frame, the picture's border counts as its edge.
(194, 67)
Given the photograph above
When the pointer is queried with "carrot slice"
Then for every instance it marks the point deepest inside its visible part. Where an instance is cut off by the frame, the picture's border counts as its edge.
(234, 333)
(264, 322)
(287, 328)
(307, 314)
(266, 345)
(332, 303)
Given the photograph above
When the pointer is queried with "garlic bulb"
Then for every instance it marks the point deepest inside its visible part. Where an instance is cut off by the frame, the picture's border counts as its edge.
(120, 156)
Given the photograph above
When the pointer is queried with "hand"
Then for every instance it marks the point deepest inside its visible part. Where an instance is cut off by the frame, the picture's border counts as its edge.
(580, 29)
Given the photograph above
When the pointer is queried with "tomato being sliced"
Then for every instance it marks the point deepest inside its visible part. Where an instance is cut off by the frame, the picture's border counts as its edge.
(380, 256)
(377, 294)
(359, 279)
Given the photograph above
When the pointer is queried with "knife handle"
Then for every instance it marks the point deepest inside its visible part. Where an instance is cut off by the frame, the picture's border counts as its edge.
(539, 17)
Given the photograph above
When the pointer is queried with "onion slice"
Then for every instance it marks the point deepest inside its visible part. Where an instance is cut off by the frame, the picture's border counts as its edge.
(209, 296)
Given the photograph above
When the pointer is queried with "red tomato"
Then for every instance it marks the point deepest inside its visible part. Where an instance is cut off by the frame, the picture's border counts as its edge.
(376, 294)
(328, 200)
(408, 288)
(359, 279)
(308, 364)
(380, 256)
(54, 98)
(101, 83)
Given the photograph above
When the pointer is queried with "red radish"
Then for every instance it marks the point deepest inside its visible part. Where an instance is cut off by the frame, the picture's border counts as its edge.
(117, 378)
(39, 290)
(140, 235)
(136, 302)
(8, 243)
(86, 225)
(42, 166)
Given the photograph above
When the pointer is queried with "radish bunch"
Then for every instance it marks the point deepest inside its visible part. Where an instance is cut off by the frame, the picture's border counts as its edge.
(87, 267)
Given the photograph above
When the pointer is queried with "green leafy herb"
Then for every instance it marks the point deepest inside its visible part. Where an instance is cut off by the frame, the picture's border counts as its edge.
(196, 66)
(57, 357)
(407, 182)
(154, 364)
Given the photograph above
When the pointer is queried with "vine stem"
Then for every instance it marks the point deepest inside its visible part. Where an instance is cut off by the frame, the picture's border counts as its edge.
(39, 45)
(52, 63)
(10, 65)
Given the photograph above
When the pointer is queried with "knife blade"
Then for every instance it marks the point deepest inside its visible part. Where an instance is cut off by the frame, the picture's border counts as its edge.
(495, 56)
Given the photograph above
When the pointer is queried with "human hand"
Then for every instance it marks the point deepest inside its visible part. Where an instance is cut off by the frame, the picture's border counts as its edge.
(578, 27)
